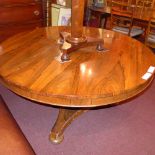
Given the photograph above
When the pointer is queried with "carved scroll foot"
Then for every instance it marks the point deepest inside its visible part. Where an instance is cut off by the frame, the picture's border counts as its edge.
(65, 118)
(100, 47)
(65, 56)
(56, 138)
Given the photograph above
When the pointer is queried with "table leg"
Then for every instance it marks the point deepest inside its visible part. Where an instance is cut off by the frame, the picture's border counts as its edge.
(103, 20)
(64, 119)
(88, 17)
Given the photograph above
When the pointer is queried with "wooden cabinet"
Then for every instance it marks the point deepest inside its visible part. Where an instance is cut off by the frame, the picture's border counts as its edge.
(20, 15)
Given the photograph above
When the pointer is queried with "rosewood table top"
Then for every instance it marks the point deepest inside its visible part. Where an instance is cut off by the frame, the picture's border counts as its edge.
(29, 67)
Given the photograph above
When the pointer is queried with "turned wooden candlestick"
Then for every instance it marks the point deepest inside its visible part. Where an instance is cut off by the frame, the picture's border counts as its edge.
(75, 40)
(77, 22)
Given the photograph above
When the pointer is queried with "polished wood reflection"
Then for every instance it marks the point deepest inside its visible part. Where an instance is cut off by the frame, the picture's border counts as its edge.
(28, 67)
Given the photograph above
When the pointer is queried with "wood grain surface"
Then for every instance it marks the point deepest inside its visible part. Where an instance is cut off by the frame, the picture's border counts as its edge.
(29, 68)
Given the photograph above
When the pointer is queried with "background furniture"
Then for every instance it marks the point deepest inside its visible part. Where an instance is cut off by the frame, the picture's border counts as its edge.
(12, 140)
(150, 34)
(122, 19)
(22, 15)
(98, 15)
(141, 15)
(145, 3)
(144, 6)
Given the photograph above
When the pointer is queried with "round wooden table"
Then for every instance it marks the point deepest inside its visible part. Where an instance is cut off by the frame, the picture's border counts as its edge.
(29, 67)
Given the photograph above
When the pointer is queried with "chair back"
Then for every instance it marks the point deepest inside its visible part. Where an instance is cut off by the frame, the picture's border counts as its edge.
(122, 14)
(150, 33)
(145, 3)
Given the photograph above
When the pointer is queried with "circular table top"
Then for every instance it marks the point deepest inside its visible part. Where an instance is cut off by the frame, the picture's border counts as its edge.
(28, 67)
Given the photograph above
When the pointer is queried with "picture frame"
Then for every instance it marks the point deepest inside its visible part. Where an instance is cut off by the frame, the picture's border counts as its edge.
(64, 17)
(61, 2)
